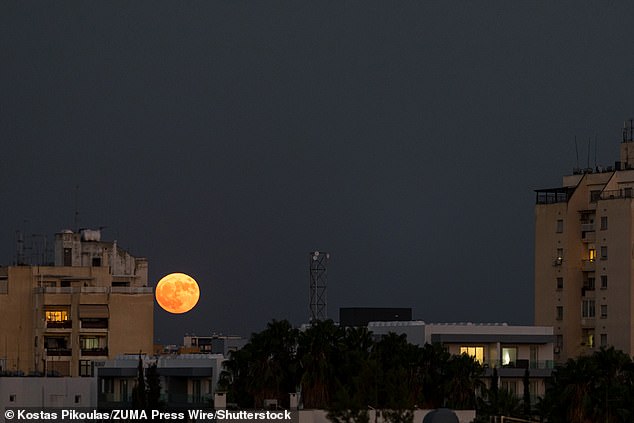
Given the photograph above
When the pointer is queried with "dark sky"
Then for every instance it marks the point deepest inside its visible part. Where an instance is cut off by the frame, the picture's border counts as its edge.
(227, 139)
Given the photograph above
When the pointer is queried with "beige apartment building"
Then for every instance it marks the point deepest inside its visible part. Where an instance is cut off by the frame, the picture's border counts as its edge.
(90, 306)
(584, 257)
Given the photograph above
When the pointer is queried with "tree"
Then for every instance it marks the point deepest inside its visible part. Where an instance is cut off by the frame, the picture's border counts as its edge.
(596, 388)
(153, 388)
(317, 351)
(265, 368)
(526, 401)
(139, 400)
(462, 381)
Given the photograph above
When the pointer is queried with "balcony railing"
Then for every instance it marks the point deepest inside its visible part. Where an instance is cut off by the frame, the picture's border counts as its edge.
(94, 324)
(94, 352)
(617, 193)
(64, 324)
(58, 352)
(131, 290)
(521, 364)
(94, 290)
(587, 265)
(589, 237)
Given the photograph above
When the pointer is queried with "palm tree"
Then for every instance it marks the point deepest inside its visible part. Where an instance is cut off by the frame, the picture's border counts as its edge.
(318, 347)
(463, 381)
(265, 368)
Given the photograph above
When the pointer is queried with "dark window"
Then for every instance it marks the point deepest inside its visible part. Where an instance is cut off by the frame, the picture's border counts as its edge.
(604, 252)
(604, 223)
(560, 226)
(68, 257)
(85, 368)
(604, 311)
(594, 196)
(560, 312)
(560, 283)
(604, 281)
(587, 308)
(96, 262)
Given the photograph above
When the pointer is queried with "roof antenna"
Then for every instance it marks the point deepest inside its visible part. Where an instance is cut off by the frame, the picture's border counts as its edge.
(577, 151)
(588, 159)
(76, 208)
(595, 150)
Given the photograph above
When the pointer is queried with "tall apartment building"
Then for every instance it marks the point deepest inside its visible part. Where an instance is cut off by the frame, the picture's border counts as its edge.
(584, 257)
(91, 305)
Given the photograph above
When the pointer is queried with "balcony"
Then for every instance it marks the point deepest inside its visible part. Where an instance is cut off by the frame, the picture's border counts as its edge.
(94, 289)
(587, 227)
(587, 322)
(94, 323)
(588, 237)
(587, 265)
(617, 194)
(553, 195)
(131, 290)
(92, 352)
(586, 289)
(64, 324)
(58, 352)
(55, 290)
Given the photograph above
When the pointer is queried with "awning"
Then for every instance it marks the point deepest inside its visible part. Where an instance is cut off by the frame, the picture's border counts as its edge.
(93, 311)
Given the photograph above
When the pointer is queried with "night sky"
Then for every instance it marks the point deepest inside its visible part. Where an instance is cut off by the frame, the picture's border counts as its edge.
(227, 139)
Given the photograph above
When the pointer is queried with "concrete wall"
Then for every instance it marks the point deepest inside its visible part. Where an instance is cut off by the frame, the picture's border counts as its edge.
(47, 392)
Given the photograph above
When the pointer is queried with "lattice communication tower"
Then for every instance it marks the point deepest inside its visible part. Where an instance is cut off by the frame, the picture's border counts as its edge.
(318, 267)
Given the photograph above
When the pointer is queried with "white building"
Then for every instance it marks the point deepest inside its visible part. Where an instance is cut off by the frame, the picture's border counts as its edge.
(510, 349)
(186, 379)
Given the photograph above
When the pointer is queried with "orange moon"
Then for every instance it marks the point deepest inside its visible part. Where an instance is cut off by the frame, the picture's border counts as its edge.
(177, 293)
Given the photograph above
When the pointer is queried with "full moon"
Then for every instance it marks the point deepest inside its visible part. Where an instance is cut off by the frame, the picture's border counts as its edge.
(177, 293)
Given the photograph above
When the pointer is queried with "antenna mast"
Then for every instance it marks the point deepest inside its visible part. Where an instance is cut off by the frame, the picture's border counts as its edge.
(318, 262)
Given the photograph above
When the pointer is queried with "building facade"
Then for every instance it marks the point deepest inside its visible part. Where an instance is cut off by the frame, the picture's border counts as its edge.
(510, 349)
(186, 380)
(584, 256)
(212, 344)
(91, 305)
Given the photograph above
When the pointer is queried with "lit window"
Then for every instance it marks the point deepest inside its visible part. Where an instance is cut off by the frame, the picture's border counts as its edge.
(476, 352)
(89, 343)
(588, 338)
(509, 356)
(56, 315)
(592, 254)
